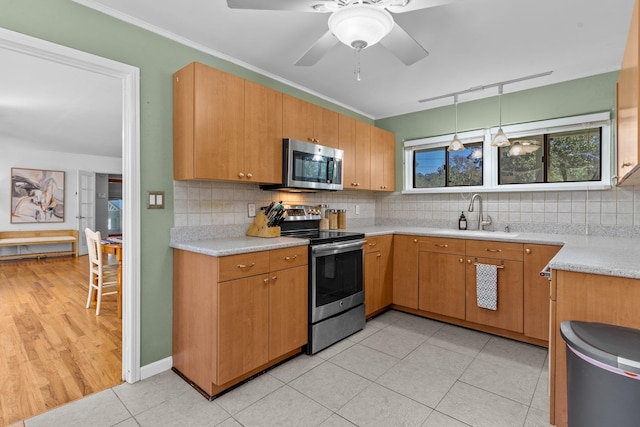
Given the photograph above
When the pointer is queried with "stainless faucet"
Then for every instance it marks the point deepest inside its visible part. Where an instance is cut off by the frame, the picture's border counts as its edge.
(481, 221)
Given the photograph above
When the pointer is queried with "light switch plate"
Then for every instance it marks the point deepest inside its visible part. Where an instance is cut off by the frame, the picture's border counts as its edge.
(155, 199)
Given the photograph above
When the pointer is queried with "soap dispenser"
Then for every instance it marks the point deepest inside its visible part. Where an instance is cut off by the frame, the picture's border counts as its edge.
(462, 222)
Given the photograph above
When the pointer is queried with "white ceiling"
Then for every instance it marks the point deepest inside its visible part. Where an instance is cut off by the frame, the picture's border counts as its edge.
(471, 43)
(51, 106)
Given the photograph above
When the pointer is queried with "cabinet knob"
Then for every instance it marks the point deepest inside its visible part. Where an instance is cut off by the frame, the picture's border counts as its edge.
(241, 175)
(527, 251)
(415, 240)
(249, 175)
(379, 255)
(274, 278)
(468, 261)
(626, 164)
(461, 260)
(265, 280)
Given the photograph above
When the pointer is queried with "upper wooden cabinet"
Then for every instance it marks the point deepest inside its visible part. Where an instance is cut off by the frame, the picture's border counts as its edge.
(355, 140)
(382, 160)
(627, 109)
(225, 128)
(308, 122)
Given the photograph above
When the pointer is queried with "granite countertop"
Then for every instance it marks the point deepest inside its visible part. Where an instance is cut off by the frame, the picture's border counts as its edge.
(610, 256)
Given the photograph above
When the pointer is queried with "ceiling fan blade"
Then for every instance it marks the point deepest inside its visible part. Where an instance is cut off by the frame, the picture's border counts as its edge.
(318, 50)
(397, 6)
(402, 45)
(289, 5)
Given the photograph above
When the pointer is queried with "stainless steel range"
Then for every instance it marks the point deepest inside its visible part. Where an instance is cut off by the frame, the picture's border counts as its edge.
(336, 295)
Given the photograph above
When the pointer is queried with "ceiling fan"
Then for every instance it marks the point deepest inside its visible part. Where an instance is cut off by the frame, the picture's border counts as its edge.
(356, 23)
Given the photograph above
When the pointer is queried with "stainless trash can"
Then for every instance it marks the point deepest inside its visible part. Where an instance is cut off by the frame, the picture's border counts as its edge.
(603, 374)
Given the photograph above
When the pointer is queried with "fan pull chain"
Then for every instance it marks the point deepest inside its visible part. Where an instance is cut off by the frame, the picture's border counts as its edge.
(357, 69)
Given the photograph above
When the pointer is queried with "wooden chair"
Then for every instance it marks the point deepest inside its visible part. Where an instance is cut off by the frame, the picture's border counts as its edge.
(101, 276)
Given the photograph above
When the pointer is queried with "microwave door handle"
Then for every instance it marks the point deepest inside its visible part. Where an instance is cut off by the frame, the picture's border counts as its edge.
(335, 170)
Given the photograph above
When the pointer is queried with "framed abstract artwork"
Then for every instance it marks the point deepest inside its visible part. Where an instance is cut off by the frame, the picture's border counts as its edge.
(37, 195)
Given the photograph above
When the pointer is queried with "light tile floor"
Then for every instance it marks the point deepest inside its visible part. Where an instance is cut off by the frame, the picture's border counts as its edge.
(401, 370)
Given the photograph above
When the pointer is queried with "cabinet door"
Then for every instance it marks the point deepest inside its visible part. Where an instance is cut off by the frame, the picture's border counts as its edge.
(288, 307)
(263, 134)
(536, 290)
(326, 127)
(509, 313)
(218, 124)
(298, 119)
(386, 270)
(363, 155)
(243, 326)
(442, 284)
(627, 107)
(347, 143)
(372, 281)
(382, 160)
(405, 271)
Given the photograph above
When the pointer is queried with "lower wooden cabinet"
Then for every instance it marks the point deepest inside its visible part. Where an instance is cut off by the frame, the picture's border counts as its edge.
(589, 298)
(378, 274)
(441, 277)
(536, 290)
(234, 316)
(405, 270)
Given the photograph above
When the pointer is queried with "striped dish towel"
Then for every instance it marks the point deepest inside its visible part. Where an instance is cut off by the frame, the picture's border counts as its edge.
(487, 286)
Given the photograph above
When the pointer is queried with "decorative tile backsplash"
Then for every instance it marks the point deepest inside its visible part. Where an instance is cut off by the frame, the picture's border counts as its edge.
(203, 203)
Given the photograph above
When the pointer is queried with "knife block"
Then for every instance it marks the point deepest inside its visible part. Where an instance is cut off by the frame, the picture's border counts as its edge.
(259, 227)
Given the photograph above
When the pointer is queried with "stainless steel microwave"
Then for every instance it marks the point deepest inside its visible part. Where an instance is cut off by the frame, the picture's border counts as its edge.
(309, 167)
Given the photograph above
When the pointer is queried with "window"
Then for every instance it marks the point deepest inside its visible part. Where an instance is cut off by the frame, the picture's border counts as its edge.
(437, 167)
(555, 157)
(570, 153)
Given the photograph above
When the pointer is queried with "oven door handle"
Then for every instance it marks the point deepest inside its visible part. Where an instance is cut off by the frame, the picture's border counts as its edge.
(334, 248)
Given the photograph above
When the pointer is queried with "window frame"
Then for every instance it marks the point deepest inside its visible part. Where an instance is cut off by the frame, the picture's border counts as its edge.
(490, 155)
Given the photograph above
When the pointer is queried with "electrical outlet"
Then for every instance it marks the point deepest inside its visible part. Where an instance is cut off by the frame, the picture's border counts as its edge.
(357, 209)
(251, 210)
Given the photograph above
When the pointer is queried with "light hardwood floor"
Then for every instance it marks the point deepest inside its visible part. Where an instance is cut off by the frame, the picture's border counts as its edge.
(52, 349)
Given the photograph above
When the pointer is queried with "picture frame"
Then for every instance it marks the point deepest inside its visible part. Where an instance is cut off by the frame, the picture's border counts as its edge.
(37, 196)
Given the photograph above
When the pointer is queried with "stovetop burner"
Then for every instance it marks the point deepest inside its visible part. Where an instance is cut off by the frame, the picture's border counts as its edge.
(304, 221)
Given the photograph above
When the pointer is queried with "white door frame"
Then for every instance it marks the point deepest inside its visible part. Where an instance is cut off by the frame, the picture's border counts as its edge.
(130, 77)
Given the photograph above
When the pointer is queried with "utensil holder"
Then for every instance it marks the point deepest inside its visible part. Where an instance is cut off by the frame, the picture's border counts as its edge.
(259, 227)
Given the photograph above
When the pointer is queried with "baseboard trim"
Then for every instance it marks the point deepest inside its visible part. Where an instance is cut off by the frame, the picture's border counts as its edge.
(156, 367)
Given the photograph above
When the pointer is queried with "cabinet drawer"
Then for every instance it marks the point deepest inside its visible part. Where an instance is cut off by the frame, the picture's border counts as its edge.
(373, 244)
(442, 245)
(243, 265)
(492, 249)
(280, 259)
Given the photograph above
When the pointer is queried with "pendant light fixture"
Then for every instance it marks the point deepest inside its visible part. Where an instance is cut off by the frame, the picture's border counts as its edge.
(456, 144)
(500, 140)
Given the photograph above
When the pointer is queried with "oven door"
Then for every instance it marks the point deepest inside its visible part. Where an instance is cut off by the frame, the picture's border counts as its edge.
(336, 278)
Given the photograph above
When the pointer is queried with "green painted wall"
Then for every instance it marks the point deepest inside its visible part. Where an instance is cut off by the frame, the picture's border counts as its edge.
(582, 96)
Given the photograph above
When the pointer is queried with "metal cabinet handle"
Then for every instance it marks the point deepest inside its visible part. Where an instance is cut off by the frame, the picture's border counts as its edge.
(626, 164)
(373, 244)
(246, 267)
(494, 250)
(265, 280)
(468, 261)
(274, 278)
(441, 246)
(527, 251)
(379, 255)
(461, 260)
(241, 175)
(249, 175)
(415, 240)
(290, 258)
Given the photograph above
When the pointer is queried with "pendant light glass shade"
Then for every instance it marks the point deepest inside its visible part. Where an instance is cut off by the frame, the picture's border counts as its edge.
(360, 25)
(456, 144)
(500, 139)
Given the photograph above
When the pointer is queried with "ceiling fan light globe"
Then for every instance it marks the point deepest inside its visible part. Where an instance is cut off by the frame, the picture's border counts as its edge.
(500, 140)
(360, 23)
